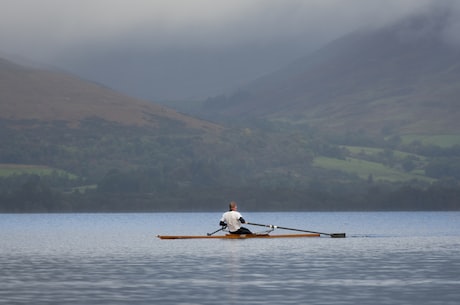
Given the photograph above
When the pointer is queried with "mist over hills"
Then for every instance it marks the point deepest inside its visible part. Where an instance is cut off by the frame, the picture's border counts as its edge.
(403, 78)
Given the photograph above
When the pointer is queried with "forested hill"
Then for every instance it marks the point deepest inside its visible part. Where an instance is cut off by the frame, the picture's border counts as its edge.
(404, 78)
(69, 145)
(49, 96)
(66, 141)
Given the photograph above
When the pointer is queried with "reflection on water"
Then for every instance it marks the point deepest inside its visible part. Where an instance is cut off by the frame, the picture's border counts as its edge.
(390, 258)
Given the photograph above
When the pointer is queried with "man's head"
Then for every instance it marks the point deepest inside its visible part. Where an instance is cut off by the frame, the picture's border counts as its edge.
(232, 206)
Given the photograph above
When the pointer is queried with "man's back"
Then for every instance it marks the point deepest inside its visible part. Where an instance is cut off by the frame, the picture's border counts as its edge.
(232, 219)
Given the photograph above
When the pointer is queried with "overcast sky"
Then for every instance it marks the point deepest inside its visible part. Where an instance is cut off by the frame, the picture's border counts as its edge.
(182, 48)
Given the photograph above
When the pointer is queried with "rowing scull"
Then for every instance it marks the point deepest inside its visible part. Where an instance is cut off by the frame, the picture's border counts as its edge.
(237, 236)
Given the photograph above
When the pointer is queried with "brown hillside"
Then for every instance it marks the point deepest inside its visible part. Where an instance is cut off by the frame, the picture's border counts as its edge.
(27, 93)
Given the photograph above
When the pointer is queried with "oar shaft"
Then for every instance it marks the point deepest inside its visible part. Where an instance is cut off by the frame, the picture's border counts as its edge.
(209, 234)
(291, 229)
(278, 227)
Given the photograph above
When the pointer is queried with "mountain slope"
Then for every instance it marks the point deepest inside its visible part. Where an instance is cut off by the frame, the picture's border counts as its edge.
(403, 78)
(32, 94)
(140, 157)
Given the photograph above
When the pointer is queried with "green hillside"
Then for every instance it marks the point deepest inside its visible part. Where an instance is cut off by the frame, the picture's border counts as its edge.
(40, 170)
(370, 170)
(442, 140)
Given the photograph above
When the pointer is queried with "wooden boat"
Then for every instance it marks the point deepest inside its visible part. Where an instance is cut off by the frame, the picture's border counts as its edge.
(238, 236)
(265, 234)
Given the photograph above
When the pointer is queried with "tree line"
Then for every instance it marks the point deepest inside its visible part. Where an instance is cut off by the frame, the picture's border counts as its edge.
(266, 166)
(137, 192)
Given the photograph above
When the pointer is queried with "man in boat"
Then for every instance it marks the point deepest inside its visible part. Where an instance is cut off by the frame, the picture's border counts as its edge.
(233, 220)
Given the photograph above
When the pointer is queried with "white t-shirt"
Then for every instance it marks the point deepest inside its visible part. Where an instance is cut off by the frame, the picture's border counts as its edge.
(232, 219)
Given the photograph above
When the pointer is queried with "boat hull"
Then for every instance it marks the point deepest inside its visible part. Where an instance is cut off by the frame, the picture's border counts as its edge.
(237, 236)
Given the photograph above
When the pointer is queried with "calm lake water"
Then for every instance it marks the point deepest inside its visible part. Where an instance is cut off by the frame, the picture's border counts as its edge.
(387, 258)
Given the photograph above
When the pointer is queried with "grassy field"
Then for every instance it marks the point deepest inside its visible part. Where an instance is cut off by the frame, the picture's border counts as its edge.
(371, 151)
(19, 169)
(364, 169)
(446, 140)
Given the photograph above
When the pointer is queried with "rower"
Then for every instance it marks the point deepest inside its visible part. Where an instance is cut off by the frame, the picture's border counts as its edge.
(233, 220)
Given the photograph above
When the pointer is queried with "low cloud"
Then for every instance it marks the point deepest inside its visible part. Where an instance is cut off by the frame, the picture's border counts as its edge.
(179, 48)
(53, 26)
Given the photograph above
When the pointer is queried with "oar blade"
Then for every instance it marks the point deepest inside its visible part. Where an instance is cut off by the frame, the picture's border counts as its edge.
(338, 235)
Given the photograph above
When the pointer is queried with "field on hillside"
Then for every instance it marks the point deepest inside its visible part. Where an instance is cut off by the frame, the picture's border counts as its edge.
(366, 169)
(19, 169)
(372, 151)
(444, 140)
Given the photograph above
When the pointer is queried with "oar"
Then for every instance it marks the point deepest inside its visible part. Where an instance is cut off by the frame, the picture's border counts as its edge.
(209, 234)
(333, 235)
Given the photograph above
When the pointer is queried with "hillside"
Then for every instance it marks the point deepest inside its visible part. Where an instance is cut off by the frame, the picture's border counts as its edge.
(402, 79)
(76, 133)
(43, 95)
(69, 145)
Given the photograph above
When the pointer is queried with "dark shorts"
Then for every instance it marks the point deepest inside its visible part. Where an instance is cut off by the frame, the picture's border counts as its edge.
(242, 230)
